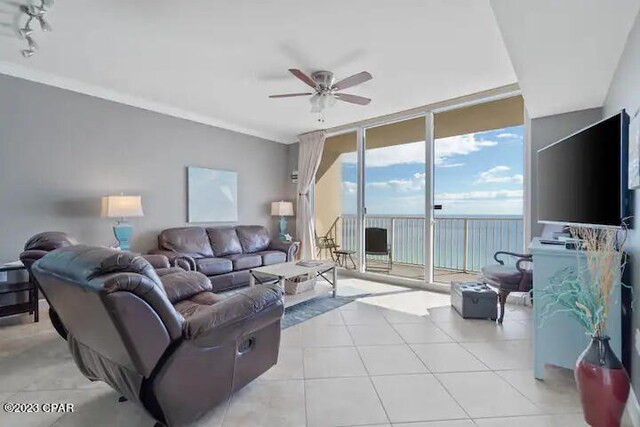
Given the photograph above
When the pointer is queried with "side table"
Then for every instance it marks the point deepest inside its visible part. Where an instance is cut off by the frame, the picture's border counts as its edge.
(31, 306)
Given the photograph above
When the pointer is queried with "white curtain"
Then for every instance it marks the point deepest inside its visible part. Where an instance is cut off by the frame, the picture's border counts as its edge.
(309, 155)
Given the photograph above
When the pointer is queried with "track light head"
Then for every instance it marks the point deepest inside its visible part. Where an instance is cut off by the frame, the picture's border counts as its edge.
(32, 43)
(25, 32)
(44, 24)
(27, 53)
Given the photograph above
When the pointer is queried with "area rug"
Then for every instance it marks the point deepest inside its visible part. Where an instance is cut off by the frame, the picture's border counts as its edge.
(309, 309)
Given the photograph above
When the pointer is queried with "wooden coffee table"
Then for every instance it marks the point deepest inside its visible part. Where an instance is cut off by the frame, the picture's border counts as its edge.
(287, 270)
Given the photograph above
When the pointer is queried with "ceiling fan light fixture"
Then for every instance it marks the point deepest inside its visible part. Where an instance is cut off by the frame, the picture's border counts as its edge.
(315, 103)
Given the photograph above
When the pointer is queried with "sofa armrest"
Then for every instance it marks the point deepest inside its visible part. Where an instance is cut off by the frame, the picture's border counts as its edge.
(177, 259)
(157, 260)
(213, 324)
(290, 248)
(30, 256)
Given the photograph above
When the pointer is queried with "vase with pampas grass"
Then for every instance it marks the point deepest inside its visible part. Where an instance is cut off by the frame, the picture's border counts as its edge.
(585, 294)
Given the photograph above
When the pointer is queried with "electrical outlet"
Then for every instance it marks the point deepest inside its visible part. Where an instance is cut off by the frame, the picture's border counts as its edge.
(3, 276)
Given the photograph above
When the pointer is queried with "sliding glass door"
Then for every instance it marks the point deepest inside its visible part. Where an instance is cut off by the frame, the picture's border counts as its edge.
(394, 199)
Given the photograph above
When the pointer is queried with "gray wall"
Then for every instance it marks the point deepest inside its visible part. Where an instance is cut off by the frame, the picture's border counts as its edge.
(61, 151)
(545, 131)
(624, 92)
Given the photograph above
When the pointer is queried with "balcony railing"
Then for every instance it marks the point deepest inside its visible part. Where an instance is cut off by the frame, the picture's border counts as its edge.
(460, 243)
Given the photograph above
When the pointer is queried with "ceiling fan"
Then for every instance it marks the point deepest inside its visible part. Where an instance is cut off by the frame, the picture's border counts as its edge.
(325, 91)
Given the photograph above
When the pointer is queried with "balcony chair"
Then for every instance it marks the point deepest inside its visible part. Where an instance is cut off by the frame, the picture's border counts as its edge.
(377, 244)
(327, 244)
(508, 278)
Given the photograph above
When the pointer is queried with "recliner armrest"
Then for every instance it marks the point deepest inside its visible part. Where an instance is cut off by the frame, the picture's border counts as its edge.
(157, 261)
(177, 259)
(290, 248)
(209, 326)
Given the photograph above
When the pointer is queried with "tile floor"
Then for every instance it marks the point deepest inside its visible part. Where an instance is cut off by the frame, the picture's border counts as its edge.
(397, 358)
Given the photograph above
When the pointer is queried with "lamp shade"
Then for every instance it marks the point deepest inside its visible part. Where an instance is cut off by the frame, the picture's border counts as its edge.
(121, 206)
(281, 209)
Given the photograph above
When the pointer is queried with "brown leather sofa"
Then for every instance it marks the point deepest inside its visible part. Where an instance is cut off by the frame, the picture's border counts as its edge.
(224, 254)
(177, 349)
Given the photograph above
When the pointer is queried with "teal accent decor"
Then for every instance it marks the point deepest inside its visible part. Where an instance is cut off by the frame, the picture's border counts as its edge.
(123, 231)
(283, 228)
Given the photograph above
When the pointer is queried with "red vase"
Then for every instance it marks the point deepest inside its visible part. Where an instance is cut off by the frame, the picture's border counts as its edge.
(603, 384)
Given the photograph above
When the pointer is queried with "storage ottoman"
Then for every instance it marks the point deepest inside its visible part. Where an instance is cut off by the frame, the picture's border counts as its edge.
(474, 300)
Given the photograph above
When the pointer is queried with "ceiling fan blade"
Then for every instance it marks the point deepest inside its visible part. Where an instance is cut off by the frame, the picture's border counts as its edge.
(354, 99)
(356, 79)
(302, 76)
(289, 95)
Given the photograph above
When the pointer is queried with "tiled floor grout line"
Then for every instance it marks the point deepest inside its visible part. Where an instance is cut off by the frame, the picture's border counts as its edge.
(386, 414)
(434, 375)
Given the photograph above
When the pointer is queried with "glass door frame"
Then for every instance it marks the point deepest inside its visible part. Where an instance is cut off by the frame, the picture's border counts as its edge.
(428, 112)
(428, 196)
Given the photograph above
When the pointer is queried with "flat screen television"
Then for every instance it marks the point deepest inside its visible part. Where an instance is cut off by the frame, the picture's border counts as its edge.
(582, 179)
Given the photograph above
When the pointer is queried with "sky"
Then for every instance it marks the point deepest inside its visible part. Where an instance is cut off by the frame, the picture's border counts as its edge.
(475, 174)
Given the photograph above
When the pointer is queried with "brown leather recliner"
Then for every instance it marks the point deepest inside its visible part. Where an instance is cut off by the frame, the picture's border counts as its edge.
(43, 243)
(176, 349)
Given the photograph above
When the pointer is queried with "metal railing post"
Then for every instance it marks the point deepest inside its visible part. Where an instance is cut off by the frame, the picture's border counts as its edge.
(392, 239)
(465, 245)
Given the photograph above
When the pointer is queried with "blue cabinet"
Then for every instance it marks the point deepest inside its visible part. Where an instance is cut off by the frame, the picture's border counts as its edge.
(559, 339)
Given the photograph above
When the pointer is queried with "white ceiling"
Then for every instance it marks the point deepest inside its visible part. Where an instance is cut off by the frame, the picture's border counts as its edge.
(217, 61)
(564, 52)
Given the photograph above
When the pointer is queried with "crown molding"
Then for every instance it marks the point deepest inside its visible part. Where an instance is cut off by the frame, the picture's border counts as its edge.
(77, 86)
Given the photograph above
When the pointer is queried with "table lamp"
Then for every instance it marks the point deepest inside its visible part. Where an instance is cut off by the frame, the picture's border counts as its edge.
(282, 209)
(122, 207)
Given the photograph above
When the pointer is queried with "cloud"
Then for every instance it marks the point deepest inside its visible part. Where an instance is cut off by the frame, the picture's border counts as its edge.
(450, 165)
(415, 183)
(414, 152)
(480, 195)
(496, 175)
(459, 145)
(507, 135)
(349, 187)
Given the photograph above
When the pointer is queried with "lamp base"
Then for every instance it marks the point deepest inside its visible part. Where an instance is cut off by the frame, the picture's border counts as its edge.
(123, 231)
(282, 223)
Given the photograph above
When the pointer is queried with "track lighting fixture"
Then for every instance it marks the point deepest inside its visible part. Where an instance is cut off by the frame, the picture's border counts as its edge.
(38, 13)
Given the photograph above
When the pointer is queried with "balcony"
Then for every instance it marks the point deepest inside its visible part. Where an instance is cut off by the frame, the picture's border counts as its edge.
(462, 245)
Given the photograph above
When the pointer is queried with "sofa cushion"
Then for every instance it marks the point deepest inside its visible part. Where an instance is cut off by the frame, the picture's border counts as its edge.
(185, 284)
(214, 266)
(253, 238)
(224, 241)
(272, 257)
(245, 261)
(192, 241)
